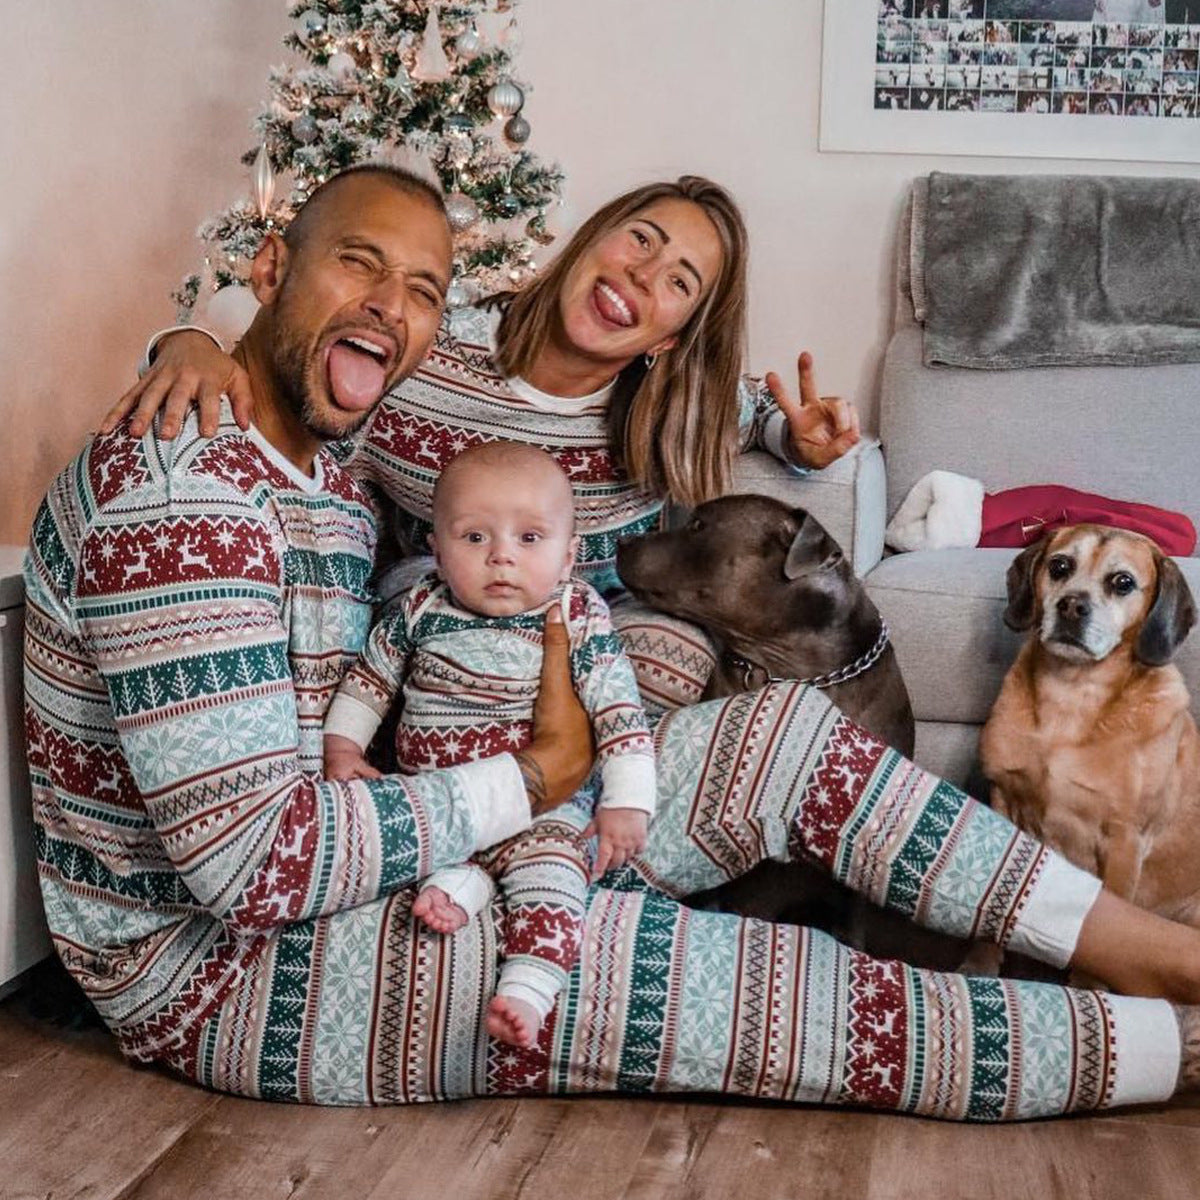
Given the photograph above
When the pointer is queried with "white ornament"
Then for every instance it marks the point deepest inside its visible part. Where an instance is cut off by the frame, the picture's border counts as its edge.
(505, 98)
(229, 312)
(262, 182)
(341, 65)
(432, 65)
(461, 211)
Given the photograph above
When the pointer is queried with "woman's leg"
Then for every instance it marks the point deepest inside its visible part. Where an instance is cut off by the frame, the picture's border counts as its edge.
(780, 773)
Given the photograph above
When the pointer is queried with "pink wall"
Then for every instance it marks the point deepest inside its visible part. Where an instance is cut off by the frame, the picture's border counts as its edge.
(131, 116)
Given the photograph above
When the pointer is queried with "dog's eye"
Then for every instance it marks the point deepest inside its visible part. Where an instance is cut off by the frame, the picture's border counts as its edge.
(1059, 567)
(1122, 583)
(695, 525)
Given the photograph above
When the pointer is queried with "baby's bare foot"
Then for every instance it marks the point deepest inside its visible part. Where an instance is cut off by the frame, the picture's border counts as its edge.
(512, 1021)
(434, 909)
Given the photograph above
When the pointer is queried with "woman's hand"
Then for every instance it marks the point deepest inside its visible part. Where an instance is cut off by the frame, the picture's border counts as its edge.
(189, 368)
(558, 760)
(822, 428)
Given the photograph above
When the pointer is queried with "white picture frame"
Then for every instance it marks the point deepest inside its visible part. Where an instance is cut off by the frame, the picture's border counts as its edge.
(850, 122)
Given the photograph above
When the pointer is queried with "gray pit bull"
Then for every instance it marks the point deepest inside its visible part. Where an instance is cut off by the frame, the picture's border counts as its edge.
(775, 594)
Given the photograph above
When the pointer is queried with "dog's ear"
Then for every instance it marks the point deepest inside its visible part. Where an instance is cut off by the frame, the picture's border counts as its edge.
(812, 549)
(1022, 600)
(1171, 615)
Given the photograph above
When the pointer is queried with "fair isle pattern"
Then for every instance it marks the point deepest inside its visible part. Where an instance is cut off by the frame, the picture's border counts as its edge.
(459, 398)
(238, 919)
(469, 682)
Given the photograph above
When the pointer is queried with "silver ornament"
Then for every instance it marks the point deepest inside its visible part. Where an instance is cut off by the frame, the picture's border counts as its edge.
(461, 211)
(505, 98)
(468, 42)
(517, 130)
(356, 114)
(401, 83)
(304, 129)
(508, 205)
(458, 122)
(310, 25)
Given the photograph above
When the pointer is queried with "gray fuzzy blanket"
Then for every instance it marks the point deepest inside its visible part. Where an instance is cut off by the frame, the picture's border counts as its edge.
(1038, 270)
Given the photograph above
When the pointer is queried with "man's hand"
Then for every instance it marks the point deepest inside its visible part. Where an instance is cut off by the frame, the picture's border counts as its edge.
(622, 835)
(821, 428)
(344, 760)
(188, 369)
(560, 756)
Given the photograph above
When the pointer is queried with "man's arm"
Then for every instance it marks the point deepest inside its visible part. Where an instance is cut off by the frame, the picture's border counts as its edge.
(197, 669)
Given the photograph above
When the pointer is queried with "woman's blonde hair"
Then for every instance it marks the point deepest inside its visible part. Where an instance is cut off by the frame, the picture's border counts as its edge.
(672, 429)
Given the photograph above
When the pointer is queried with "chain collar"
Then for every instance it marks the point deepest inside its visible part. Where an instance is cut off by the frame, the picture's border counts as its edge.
(863, 663)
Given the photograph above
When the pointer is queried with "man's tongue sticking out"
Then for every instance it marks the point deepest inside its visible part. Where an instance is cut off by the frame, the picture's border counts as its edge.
(356, 378)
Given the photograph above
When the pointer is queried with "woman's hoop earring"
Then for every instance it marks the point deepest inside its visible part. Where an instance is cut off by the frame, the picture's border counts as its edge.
(649, 360)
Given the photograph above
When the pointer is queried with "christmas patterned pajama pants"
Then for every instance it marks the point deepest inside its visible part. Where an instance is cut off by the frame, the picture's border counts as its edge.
(365, 1006)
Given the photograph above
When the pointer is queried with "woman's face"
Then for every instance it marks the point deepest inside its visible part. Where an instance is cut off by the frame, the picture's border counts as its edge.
(635, 287)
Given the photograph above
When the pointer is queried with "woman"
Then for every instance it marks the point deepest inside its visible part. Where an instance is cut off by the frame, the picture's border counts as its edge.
(623, 362)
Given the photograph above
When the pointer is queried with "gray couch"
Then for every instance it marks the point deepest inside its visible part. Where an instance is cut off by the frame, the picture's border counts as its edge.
(1126, 432)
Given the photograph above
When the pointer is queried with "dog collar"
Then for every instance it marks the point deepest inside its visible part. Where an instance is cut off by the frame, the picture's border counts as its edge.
(863, 663)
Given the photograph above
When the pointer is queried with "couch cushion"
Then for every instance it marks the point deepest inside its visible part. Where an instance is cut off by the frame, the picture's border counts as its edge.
(945, 609)
(1123, 432)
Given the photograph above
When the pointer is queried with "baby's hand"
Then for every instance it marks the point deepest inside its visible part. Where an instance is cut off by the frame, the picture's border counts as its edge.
(622, 835)
(344, 760)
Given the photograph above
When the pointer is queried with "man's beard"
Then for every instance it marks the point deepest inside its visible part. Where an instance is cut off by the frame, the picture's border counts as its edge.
(292, 381)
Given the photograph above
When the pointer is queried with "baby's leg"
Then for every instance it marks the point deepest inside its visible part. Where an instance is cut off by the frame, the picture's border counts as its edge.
(449, 898)
(543, 877)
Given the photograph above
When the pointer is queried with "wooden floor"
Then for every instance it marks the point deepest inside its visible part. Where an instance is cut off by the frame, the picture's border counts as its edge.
(76, 1121)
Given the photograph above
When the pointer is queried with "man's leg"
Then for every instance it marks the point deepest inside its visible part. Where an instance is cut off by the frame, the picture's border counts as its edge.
(367, 1006)
(671, 659)
(670, 1000)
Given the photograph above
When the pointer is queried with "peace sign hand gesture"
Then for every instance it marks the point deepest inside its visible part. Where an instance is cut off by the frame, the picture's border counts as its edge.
(821, 428)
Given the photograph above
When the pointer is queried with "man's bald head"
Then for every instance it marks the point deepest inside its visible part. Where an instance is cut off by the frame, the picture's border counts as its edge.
(405, 182)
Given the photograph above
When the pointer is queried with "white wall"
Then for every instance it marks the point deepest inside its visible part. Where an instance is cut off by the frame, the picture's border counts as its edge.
(131, 116)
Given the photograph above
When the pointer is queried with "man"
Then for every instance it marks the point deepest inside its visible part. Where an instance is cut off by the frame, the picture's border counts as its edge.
(192, 605)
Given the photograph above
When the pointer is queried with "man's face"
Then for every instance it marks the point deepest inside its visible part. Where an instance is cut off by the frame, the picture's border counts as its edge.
(358, 303)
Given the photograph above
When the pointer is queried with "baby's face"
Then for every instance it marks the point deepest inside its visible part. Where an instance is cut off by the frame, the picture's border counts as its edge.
(504, 539)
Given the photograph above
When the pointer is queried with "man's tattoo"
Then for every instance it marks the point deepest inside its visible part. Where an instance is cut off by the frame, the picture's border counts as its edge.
(535, 781)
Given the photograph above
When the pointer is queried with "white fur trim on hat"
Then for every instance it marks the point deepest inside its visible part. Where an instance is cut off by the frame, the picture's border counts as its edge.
(942, 510)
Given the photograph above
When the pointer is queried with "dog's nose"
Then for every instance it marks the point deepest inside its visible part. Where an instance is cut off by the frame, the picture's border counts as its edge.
(1074, 606)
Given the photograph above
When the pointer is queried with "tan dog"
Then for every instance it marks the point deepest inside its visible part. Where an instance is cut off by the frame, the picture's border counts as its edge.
(1090, 745)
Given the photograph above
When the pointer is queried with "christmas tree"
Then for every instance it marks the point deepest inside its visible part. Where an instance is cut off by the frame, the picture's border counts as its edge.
(387, 80)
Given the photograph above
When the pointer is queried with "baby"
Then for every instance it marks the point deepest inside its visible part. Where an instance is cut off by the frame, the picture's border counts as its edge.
(465, 646)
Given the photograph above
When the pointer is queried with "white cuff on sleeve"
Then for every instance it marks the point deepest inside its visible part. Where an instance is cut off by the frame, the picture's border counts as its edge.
(496, 795)
(468, 886)
(1146, 1050)
(152, 344)
(351, 718)
(627, 781)
(1049, 927)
